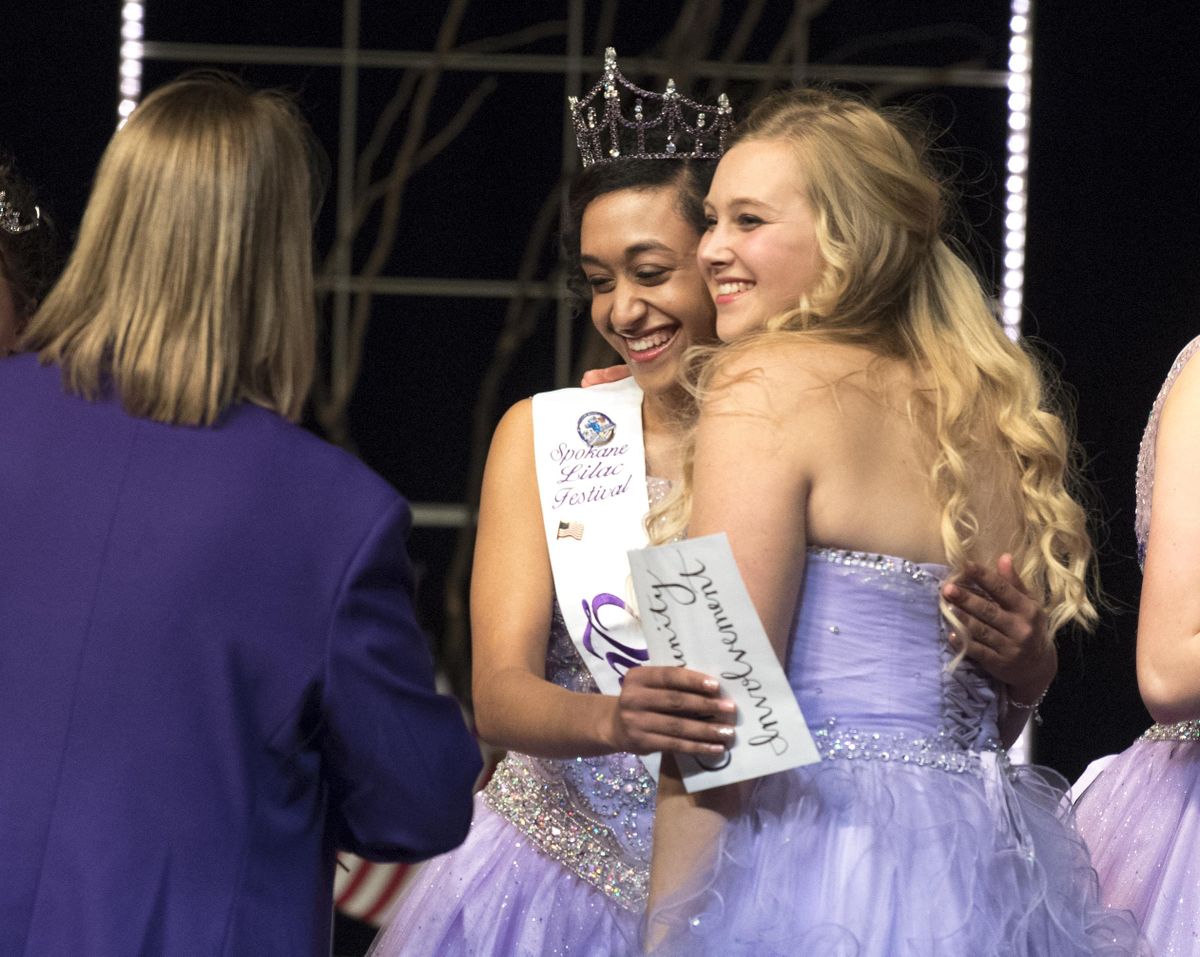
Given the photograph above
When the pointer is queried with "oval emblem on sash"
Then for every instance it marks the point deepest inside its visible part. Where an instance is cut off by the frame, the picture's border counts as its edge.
(596, 428)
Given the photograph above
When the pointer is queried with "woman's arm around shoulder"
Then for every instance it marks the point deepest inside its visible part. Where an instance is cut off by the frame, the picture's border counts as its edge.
(1168, 640)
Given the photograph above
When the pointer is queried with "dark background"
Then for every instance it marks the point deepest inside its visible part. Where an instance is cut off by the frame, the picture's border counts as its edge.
(1113, 237)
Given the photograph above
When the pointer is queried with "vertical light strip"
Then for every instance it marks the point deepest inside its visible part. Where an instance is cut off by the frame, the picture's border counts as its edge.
(1020, 61)
(132, 30)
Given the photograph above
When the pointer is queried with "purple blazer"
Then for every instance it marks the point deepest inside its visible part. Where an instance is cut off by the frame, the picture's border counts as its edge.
(210, 680)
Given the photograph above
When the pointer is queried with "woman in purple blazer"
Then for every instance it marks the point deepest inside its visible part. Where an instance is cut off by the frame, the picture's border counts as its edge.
(210, 673)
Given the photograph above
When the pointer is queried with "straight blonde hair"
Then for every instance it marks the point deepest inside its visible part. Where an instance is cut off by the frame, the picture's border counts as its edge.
(891, 282)
(190, 287)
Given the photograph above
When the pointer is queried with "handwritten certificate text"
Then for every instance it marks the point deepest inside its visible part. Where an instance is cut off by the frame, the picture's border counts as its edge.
(697, 614)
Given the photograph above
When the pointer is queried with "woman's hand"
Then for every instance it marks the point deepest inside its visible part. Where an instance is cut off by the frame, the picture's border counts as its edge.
(671, 709)
(1006, 629)
(601, 376)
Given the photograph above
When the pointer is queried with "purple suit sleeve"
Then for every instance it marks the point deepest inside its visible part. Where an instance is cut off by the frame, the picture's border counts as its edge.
(401, 762)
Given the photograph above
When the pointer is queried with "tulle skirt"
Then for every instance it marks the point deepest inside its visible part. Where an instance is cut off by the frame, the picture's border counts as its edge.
(883, 859)
(1141, 819)
(497, 895)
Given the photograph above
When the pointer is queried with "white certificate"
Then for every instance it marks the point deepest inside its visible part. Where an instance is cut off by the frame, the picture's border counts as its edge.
(696, 613)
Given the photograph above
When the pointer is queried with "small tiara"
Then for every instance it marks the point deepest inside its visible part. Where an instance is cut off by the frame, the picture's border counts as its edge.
(700, 137)
(10, 217)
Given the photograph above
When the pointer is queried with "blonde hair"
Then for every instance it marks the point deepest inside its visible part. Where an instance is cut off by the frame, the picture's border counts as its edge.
(190, 287)
(892, 283)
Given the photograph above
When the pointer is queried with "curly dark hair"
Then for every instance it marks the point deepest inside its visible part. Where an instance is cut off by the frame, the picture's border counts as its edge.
(691, 177)
(29, 261)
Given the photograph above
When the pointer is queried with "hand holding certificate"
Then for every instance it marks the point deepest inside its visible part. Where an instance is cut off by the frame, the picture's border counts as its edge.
(696, 613)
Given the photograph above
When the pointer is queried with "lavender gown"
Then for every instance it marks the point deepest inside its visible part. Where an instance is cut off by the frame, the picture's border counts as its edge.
(914, 835)
(557, 860)
(1141, 816)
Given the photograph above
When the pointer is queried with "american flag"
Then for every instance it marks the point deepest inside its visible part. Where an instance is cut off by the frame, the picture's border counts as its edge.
(571, 530)
(367, 890)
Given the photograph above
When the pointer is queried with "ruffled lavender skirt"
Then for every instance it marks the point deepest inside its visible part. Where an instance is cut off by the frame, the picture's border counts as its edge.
(497, 895)
(881, 859)
(1141, 819)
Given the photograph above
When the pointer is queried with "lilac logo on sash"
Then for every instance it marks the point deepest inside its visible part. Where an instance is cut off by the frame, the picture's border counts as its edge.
(620, 657)
(596, 428)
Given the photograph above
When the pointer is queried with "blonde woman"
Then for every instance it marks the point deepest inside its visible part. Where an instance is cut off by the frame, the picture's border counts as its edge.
(211, 677)
(869, 433)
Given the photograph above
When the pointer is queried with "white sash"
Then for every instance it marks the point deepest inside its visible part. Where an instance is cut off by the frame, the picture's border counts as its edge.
(591, 473)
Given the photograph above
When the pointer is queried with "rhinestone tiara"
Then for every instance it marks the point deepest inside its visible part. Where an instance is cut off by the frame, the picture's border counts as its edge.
(10, 217)
(693, 130)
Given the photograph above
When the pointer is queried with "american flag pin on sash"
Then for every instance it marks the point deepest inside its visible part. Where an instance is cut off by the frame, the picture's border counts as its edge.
(570, 530)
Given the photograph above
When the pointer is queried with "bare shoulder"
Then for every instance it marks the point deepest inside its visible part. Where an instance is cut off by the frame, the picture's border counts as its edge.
(1180, 414)
(790, 353)
(517, 422)
(790, 373)
(510, 460)
(1184, 396)
(514, 431)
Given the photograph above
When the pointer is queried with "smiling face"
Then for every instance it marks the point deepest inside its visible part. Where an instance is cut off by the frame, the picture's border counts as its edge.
(649, 299)
(760, 253)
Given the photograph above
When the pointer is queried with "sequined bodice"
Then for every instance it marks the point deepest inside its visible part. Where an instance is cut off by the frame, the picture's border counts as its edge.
(595, 816)
(868, 662)
(1146, 456)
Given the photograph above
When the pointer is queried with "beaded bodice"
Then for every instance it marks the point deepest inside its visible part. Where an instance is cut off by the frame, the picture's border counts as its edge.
(1146, 455)
(1180, 731)
(594, 816)
(868, 662)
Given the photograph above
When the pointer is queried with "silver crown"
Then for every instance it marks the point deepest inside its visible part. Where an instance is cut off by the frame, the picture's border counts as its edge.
(692, 129)
(10, 217)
